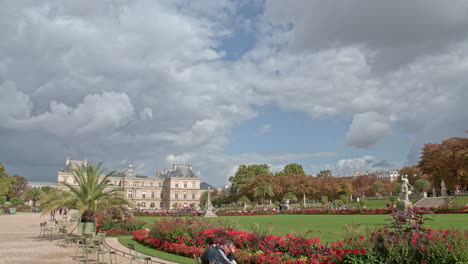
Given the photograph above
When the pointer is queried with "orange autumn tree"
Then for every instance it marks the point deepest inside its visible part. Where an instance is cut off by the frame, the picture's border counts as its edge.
(447, 160)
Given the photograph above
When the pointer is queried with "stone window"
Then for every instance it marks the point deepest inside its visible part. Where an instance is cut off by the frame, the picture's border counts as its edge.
(193, 195)
(176, 195)
(176, 185)
(185, 184)
(151, 184)
(185, 195)
(143, 204)
(193, 184)
(152, 195)
(143, 195)
(130, 194)
(160, 184)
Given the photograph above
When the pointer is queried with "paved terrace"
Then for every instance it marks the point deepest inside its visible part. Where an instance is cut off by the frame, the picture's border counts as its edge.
(19, 243)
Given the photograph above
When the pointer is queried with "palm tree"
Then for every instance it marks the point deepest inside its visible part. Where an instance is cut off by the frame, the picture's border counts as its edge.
(93, 193)
(263, 190)
(34, 194)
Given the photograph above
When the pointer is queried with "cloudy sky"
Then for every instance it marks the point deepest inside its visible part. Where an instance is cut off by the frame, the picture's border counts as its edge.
(340, 85)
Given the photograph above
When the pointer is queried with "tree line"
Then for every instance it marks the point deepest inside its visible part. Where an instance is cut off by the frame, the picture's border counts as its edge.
(255, 183)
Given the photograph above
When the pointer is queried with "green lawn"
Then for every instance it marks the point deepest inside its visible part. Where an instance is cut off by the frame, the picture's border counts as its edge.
(461, 200)
(327, 227)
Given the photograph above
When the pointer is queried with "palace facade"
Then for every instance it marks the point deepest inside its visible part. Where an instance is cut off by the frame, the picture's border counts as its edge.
(179, 188)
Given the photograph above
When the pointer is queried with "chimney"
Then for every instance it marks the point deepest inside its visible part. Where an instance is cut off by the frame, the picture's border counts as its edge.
(158, 174)
(190, 166)
(165, 171)
(85, 162)
(174, 167)
(67, 161)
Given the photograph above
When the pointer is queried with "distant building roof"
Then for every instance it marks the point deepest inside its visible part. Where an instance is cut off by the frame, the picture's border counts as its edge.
(181, 172)
(204, 186)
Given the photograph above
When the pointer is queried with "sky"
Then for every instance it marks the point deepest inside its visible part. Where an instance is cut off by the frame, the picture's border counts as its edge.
(339, 85)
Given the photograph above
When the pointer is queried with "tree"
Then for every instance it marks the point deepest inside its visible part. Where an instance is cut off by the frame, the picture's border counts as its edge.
(293, 168)
(19, 187)
(263, 191)
(93, 193)
(421, 185)
(413, 173)
(6, 183)
(378, 187)
(16, 201)
(324, 174)
(447, 161)
(244, 173)
(290, 196)
(244, 201)
(33, 194)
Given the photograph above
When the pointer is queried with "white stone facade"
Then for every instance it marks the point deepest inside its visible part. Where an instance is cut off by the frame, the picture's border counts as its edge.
(162, 191)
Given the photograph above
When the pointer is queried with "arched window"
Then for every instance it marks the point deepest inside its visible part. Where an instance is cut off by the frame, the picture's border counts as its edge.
(143, 204)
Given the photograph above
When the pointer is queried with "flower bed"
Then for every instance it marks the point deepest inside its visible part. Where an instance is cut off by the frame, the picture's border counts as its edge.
(115, 226)
(322, 211)
(405, 240)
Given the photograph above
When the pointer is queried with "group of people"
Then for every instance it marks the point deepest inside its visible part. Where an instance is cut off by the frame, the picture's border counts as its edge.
(61, 211)
(222, 253)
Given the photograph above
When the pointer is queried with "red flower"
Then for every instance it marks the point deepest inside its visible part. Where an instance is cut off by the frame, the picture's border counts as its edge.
(363, 251)
(413, 241)
(356, 251)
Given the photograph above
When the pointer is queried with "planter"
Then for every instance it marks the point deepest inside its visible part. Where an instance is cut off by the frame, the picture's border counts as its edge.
(86, 228)
(13, 210)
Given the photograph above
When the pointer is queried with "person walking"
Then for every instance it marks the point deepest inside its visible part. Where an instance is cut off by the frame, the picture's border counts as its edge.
(220, 254)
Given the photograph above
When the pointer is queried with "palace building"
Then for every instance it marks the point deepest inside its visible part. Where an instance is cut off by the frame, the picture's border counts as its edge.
(179, 188)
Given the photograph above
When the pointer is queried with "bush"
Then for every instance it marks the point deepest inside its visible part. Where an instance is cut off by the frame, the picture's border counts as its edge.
(2, 199)
(16, 201)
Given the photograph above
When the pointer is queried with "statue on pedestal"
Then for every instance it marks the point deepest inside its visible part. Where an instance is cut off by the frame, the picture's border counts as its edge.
(406, 190)
(443, 189)
(209, 206)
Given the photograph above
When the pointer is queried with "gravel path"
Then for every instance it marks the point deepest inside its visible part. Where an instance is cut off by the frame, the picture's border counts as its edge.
(19, 243)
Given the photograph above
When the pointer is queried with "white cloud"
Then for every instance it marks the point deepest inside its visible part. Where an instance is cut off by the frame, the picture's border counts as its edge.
(348, 166)
(144, 87)
(367, 129)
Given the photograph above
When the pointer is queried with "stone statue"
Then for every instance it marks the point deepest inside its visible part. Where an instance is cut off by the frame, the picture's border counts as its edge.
(209, 206)
(443, 189)
(406, 189)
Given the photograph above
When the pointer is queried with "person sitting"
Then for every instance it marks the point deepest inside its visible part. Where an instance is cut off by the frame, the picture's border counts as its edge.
(224, 253)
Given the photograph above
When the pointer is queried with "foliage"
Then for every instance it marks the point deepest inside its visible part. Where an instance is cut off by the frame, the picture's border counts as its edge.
(6, 183)
(16, 201)
(243, 200)
(19, 187)
(363, 202)
(337, 203)
(293, 168)
(344, 198)
(33, 194)
(324, 200)
(93, 193)
(290, 196)
(407, 240)
(263, 191)
(377, 187)
(421, 185)
(111, 222)
(2, 199)
(412, 172)
(324, 174)
(245, 173)
(447, 160)
(401, 242)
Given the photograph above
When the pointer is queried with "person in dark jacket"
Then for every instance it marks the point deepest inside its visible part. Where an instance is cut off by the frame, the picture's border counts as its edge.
(220, 254)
